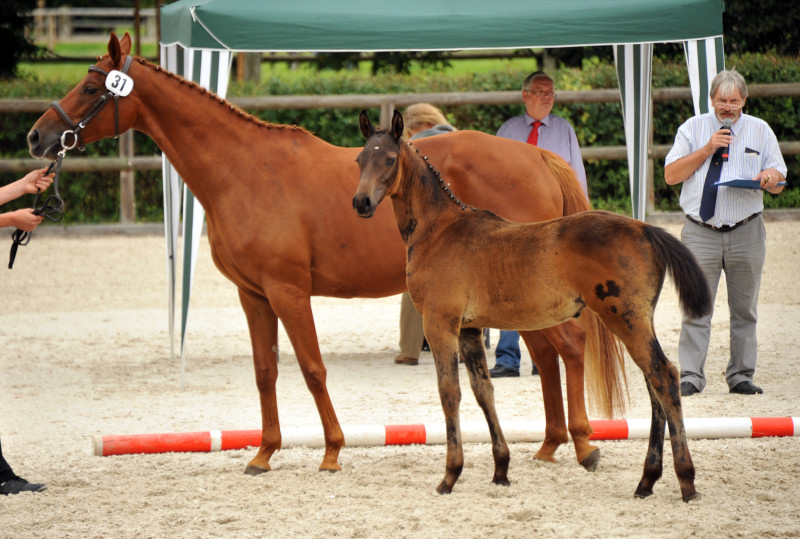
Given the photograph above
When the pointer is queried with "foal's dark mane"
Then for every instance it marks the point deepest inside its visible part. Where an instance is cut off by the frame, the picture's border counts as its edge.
(427, 173)
(233, 109)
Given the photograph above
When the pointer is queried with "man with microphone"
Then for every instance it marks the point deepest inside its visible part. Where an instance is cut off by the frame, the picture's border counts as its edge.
(724, 229)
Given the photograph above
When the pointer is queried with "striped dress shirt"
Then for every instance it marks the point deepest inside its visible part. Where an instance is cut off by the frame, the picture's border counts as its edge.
(754, 148)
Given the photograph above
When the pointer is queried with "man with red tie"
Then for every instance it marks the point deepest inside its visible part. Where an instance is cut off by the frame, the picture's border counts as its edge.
(540, 127)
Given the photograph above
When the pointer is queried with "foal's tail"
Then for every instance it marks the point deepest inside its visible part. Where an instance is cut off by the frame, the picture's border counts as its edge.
(604, 368)
(674, 257)
(574, 199)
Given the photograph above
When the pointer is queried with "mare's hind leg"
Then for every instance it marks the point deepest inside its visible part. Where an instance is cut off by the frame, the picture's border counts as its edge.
(654, 462)
(546, 359)
(263, 325)
(471, 347)
(569, 341)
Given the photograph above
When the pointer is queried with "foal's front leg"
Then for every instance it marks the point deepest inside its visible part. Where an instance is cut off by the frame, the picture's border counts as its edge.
(443, 340)
(471, 347)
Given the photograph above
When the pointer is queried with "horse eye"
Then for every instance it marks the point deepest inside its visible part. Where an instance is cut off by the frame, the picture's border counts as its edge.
(390, 161)
(90, 91)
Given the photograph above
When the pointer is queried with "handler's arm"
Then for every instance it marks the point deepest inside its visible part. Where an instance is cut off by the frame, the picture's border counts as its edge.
(682, 169)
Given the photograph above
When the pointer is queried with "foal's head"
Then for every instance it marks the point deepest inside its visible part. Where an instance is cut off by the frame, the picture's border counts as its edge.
(379, 162)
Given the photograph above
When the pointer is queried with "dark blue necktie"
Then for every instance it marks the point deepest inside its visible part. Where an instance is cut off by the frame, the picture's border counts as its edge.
(709, 201)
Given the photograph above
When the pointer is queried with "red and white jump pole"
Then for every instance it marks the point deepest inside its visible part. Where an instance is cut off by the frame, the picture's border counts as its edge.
(434, 433)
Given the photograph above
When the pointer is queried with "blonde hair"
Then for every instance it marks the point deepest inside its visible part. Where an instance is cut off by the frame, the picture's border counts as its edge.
(421, 116)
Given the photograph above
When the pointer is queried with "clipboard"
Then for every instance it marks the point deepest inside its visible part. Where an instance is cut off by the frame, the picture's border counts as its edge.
(747, 184)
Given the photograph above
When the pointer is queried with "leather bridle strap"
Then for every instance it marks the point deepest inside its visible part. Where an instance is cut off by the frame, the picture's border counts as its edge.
(75, 128)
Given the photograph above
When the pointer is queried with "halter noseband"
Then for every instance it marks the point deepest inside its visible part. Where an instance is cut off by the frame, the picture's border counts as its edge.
(75, 128)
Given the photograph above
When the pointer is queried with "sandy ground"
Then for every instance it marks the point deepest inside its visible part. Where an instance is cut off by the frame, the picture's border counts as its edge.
(86, 351)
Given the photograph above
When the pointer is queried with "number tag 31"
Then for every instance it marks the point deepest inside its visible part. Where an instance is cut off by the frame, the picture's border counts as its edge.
(119, 83)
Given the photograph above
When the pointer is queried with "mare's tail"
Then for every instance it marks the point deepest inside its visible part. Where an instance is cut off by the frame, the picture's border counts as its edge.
(574, 199)
(604, 368)
(604, 357)
(693, 292)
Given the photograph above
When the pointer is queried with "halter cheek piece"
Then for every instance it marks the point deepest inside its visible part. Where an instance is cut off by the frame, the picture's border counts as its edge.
(74, 130)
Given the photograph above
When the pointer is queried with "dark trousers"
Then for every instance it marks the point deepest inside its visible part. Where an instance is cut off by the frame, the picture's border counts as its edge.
(5, 470)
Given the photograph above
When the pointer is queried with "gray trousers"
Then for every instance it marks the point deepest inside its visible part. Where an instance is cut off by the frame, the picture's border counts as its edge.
(740, 253)
(411, 334)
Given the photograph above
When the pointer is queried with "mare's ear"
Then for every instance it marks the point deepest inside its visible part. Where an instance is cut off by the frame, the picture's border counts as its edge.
(397, 125)
(366, 126)
(117, 47)
(125, 44)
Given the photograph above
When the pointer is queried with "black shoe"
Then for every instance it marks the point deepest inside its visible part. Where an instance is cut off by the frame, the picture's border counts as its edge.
(499, 371)
(746, 388)
(534, 370)
(688, 389)
(16, 485)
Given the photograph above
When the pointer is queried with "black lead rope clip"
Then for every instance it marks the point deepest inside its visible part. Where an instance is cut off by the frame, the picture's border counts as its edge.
(52, 209)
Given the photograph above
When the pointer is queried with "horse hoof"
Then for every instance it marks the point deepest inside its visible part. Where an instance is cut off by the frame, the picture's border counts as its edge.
(642, 493)
(693, 497)
(255, 470)
(333, 468)
(501, 481)
(590, 462)
(444, 488)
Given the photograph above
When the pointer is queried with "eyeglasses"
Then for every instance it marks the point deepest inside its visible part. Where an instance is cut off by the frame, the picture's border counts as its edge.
(733, 105)
(540, 94)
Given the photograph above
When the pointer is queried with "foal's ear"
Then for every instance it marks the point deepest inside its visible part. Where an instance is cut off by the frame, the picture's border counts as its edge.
(397, 125)
(366, 126)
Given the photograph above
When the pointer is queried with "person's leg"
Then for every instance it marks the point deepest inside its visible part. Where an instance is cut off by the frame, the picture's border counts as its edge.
(6, 472)
(411, 334)
(744, 263)
(507, 353)
(706, 245)
(11, 483)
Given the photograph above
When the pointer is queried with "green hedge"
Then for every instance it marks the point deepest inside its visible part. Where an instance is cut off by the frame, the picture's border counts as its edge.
(94, 197)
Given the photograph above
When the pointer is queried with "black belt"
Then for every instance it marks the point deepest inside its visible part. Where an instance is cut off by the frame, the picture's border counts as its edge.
(724, 228)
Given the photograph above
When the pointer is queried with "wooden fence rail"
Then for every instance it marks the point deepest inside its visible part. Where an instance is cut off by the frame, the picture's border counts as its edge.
(387, 103)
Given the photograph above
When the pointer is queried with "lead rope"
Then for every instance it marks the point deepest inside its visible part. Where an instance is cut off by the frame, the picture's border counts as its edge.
(52, 209)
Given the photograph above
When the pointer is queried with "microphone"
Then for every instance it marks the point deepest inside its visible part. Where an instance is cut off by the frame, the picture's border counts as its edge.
(726, 124)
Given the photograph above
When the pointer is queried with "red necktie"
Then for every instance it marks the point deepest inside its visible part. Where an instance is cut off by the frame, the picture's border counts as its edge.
(533, 138)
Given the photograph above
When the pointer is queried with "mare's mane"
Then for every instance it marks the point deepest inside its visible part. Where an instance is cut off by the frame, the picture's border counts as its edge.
(221, 101)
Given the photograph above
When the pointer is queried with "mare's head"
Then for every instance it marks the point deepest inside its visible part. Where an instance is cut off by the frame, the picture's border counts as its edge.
(379, 162)
(84, 115)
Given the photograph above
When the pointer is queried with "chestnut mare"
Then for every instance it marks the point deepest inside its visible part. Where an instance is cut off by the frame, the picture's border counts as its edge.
(552, 271)
(280, 224)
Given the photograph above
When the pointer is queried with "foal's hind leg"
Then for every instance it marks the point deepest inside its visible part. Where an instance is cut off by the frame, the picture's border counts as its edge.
(654, 462)
(471, 347)
(663, 379)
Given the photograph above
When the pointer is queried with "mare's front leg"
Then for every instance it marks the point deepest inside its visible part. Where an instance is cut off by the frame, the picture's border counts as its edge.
(569, 341)
(442, 336)
(263, 325)
(471, 347)
(293, 306)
